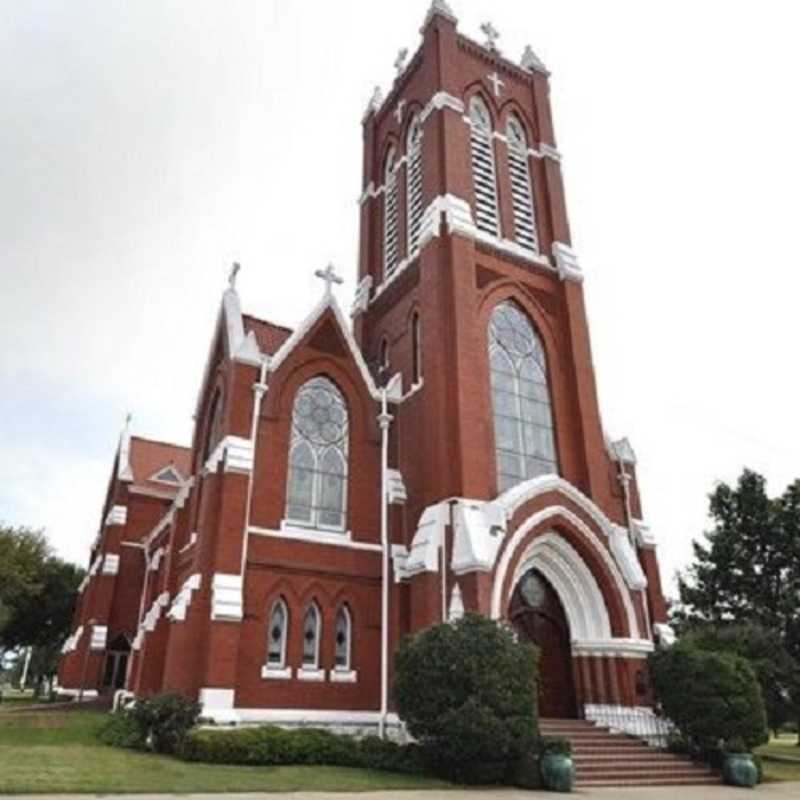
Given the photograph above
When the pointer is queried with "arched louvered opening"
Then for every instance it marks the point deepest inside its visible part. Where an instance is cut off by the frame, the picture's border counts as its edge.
(317, 483)
(521, 189)
(344, 640)
(523, 421)
(416, 348)
(391, 243)
(483, 168)
(312, 634)
(414, 184)
(277, 635)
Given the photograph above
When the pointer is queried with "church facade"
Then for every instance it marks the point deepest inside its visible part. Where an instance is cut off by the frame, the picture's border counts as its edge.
(441, 451)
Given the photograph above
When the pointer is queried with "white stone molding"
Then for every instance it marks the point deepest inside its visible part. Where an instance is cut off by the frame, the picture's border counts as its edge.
(665, 636)
(226, 597)
(124, 471)
(338, 720)
(645, 538)
(182, 601)
(548, 151)
(439, 101)
(110, 564)
(622, 451)
(456, 610)
(344, 676)
(72, 641)
(396, 487)
(117, 515)
(155, 559)
(217, 704)
(567, 263)
(478, 532)
(313, 675)
(531, 62)
(361, 300)
(399, 562)
(191, 543)
(87, 694)
(99, 636)
(235, 453)
(613, 648)
(153, 615)
(427, 542)
(314, 536)
(276, 673)
(626, 558)
(375, 103)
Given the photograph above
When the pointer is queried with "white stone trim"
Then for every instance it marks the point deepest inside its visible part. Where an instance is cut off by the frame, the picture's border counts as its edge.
(182, 601)
(110, 564)
(191, 543)
(645, 538)
(276, 673)
(361, 299)
(613, 648)
(226, 597)
(291, 717)
(567, 263)
(124, 471)
(71, 643)
(88, 694)
(117, 515)
(344, 676)
(315, 675)
(314, 536)
(99, 637)
(456, 609)
(235, 453)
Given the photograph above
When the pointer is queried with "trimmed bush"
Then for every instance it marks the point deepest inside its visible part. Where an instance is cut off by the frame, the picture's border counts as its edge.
(164, 720)
(711, 697)
(121, 730)
(467, 692)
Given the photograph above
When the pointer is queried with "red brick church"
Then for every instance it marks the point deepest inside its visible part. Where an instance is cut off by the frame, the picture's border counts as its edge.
(361, 477)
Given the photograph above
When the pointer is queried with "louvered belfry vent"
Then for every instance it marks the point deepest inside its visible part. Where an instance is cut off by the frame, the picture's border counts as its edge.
(483, 171)
(521, 194)
(414, 153)
(391, 245)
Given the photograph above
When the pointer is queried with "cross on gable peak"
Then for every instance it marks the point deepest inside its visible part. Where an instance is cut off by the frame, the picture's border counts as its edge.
(235, 267)
(492, 35)
(330, 277)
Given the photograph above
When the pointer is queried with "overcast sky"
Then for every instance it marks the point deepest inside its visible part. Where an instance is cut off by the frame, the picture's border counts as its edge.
(145, 145)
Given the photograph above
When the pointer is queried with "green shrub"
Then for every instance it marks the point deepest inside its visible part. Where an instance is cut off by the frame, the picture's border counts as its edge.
(121, 730)
(165, 719)
(525, 774)
(711, 697)
(467, 692)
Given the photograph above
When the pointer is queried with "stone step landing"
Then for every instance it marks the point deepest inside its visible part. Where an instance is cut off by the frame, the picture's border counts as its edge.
(603, 758)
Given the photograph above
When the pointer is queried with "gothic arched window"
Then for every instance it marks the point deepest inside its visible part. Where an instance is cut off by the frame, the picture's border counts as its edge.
(416, 349)
(277, 635)
(523, 421)
(414, 183)
(344, 639)
(483, 169)
(312, 633)
(317, 485)
(521, 192)
(391, 243)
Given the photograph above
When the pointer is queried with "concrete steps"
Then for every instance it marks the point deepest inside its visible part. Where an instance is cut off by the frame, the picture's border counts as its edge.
(603, 758)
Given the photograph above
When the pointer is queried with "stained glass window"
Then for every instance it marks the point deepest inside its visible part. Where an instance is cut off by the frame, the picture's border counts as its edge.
(276, 636)
(317, 487)
(523, 422)
(311, 637)
(343, 639)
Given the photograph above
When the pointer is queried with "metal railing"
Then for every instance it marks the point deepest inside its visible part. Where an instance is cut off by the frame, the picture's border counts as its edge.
(640, 722)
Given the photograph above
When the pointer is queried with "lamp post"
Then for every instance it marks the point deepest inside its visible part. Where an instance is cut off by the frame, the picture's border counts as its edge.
(90, 624)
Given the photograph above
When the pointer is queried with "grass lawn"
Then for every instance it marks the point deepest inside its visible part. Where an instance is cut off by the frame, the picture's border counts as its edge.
(781, 770)
(59, 752)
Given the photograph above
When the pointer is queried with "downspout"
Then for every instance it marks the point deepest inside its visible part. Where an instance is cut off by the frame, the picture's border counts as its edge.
(384, 420)
(259, 390)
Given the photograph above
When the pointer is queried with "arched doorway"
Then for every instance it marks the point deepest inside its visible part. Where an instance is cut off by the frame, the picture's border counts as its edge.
(537, 614)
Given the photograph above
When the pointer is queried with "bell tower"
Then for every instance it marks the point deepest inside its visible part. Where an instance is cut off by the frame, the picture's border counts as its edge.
(463, 209)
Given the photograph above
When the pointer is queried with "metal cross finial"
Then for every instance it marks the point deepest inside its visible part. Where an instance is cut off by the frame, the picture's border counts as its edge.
(128, 418)
(330, 277)
(400, 61)
(234, 272)
(497, 84)
(492, 35)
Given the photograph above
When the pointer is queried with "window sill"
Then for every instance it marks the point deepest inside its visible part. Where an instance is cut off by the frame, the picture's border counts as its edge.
(276, 673)
(344, 676)
(304, 674)
(311, 533)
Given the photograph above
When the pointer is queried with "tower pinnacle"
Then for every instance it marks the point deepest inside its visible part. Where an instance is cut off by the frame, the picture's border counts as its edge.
(441, 8)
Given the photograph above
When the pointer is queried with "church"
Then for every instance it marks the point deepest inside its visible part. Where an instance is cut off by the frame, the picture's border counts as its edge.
(434, 450)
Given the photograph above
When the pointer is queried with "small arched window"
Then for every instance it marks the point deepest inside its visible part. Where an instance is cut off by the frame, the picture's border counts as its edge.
(521, 192)
(312, 633)
(277, 635)
(344, 640)
(391, 244)
(483, 168)
(416, 348)
(317, 484)
(414, 183)
(523, 423)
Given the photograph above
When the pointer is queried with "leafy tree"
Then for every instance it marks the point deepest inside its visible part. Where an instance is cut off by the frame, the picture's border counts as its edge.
(748, 569)
(467, 692)
(711, 697)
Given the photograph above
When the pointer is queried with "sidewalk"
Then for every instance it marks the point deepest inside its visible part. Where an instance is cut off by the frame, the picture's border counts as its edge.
(767, 791)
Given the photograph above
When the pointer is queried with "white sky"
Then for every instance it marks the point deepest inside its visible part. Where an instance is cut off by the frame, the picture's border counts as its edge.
(145, 145)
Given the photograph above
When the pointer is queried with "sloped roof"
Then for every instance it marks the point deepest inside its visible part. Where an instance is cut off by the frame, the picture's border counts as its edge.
(148, 458)
(269, 336)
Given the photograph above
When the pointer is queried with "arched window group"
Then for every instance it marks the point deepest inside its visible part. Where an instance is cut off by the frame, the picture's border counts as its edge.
(523, 420)
(312, 642)
(317, 483)
(414, 202)
(484, 176)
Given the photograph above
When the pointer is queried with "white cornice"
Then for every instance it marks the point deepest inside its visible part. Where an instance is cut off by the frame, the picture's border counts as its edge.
(314, 536)
(117, 515)
(235, 453)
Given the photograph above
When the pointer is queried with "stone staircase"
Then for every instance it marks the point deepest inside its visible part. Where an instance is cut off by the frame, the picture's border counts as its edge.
(603, 758)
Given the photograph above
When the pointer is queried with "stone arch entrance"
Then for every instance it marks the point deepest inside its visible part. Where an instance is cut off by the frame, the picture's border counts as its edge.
(536, 612)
